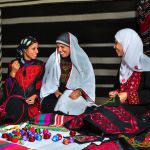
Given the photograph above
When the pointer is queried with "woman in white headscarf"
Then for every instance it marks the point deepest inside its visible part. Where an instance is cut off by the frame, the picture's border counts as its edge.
(128, 112)
(68, 85)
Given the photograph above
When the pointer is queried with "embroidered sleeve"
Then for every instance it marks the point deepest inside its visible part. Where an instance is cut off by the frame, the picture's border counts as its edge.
(39, 80)
(131, 87)
(133, 97)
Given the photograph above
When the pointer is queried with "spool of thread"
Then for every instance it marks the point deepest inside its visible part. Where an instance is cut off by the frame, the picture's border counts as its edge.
(71, 140)
(24, 138)
(46, 136)
(14, 139)
(45, 131)
(4, 135)
(66, 141)
(38, 137)
(55, 138)
(31, 138)
(38, 130)
(60, 136)
(72, 133)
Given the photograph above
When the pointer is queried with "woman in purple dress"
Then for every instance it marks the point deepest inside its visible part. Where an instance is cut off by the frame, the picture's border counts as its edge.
(23, 84)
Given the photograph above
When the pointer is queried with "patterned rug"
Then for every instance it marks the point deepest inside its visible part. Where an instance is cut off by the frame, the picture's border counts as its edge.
(4, 145)
(54, 122)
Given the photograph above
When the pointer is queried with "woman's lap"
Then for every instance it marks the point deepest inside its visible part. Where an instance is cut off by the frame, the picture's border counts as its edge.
(49, 103)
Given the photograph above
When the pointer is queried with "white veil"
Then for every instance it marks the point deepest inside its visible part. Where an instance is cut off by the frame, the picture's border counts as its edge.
(82, 74)
(134, 59)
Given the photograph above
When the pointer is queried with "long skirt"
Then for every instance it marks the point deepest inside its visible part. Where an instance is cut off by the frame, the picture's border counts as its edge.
(109, 120)
(15, 110)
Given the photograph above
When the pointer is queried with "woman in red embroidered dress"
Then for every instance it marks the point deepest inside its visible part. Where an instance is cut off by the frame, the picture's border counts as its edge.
(130, 114)
(23, 84)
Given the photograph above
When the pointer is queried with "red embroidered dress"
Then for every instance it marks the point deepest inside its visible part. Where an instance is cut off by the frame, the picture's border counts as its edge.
(129, 118)
(26, 83)
(131, 87)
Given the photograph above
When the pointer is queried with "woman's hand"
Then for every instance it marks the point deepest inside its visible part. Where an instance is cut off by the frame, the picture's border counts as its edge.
(75, 94)
(113, 93)
(14, 68)
(31, 100)
(58, 93)
(123, 97)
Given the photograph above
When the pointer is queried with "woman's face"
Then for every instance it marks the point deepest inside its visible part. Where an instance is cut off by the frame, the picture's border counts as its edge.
(31, 52)
(63, 50)
(119, 48)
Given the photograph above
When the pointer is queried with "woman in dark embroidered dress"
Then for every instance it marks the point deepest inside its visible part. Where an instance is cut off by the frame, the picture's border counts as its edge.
(131, 114)
(68, 84)
(23, 84)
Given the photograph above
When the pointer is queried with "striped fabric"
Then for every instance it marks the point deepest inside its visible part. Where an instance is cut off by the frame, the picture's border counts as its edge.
(94, 23)
(59, 120)
(50, 119)
(42, 119)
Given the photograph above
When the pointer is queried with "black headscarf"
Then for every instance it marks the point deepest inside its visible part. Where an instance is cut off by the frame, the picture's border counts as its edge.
(24, 44)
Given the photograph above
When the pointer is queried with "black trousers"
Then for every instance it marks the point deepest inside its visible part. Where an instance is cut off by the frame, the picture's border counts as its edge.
(49, 102)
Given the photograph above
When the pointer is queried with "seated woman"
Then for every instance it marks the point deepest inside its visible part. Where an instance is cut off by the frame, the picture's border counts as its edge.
(23, 84)
(68, 85)
(132, 114)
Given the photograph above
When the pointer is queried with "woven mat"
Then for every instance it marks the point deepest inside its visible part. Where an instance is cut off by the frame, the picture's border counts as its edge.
(5, 145)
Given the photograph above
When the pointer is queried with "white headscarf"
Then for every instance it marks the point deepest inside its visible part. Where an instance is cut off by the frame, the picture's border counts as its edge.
(133, 58)
(81, 76)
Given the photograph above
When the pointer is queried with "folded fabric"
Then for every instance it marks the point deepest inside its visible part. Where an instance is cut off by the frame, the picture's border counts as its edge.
(50, 119)
(71, 107)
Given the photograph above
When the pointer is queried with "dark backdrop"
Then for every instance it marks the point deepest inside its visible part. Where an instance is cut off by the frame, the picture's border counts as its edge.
(94, 24)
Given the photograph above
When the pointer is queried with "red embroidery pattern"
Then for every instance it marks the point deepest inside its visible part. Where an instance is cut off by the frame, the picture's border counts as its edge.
(31, 73)
(86, 138)
(77, 122)
(147, 136)
(147, 114)
(38, 85)
(126, 117)
(131, 87)
(104, 123)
